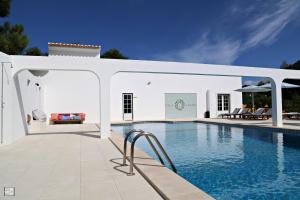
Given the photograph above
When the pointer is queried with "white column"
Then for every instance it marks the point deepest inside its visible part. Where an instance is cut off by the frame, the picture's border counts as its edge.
(276, 102)
(105, 128)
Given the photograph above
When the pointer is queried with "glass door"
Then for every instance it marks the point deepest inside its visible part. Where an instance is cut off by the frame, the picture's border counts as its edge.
(127, 106)
(223, 103)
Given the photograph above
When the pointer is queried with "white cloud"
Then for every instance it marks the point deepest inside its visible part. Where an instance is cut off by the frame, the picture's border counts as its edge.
(266, 27)
(206, 50)
(262, 26)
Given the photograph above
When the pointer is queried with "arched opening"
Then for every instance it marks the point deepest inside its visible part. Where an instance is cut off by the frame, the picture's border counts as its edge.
(59, 101)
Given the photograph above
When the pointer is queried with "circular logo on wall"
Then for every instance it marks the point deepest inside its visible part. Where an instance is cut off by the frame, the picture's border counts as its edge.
(179, 104)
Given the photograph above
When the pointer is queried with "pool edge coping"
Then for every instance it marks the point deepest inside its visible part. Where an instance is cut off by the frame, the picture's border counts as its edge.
(241, 125)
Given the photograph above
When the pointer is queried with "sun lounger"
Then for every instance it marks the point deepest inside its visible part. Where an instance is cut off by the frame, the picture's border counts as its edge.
(291, 115)
(267, 115)
(240, 113)
(256, 115)
(228, 115)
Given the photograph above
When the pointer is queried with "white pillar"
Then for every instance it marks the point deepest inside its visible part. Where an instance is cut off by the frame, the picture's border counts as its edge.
(276, 102)
(105, 128)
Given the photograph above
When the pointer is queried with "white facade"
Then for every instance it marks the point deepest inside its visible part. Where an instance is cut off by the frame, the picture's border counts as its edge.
(75, 91)
(149, 93)
(101, 82)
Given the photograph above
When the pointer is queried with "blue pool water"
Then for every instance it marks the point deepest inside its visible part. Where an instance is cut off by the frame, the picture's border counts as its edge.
(230, 162)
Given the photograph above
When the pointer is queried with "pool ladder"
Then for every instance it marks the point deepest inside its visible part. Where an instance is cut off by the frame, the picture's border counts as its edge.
(148, 136)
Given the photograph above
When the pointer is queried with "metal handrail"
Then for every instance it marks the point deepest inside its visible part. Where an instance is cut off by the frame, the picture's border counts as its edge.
(125, 142)
(148, 139)
(147, 136)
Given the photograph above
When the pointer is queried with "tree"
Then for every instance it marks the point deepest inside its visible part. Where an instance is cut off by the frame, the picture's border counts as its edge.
(291, 97)
(284, 65)
(12, 38)
(4, 8)
(114, 54)
(13, 41)
(295, 66)
(33, 51)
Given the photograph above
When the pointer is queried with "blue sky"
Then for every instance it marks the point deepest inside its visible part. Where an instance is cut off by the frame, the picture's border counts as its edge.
(259, 33)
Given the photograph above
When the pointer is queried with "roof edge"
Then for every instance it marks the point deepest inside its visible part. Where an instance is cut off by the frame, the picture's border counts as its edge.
(57, 44)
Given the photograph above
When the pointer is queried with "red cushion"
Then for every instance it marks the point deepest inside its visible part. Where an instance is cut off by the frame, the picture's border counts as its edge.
(58, 116)
(54, 117)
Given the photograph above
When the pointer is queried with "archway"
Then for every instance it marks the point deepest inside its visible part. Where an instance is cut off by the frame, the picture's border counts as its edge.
(59, 91)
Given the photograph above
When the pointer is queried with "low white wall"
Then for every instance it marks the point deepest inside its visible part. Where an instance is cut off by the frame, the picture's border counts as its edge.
(72, 92)
(149, 89)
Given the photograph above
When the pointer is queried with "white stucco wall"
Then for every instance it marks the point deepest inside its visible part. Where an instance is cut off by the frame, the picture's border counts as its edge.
(68, 51)
(148, 99)
(32, 94)
(13, 126)
(72, 92)
(6, 84)
(212, 95)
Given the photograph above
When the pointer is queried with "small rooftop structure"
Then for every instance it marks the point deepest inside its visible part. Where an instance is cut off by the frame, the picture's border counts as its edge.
(78, 50)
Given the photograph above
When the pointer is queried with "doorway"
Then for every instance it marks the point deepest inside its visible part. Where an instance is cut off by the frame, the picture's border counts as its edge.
(127, 106)
(223, 103)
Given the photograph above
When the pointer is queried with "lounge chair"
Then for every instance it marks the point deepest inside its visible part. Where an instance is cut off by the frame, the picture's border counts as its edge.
(267, 114)
(228, 115)
(256, 115)
(291, 115)
(240, 113)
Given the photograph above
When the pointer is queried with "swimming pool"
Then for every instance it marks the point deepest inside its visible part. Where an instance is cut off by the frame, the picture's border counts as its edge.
(230, 162)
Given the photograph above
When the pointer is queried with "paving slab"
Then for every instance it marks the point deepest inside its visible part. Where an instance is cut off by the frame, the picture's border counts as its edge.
(68, 166)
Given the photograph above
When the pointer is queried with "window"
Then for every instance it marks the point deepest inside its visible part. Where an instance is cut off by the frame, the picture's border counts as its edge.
(223, 102)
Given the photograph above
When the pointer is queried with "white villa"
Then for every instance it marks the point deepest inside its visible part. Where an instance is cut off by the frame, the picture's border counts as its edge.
(73, 78)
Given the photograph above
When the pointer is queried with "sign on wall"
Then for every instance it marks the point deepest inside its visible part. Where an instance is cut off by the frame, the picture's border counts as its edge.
(180, 105)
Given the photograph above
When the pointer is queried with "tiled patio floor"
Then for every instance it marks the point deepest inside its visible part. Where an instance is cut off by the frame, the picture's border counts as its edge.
(68, 167)
(43, 127)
